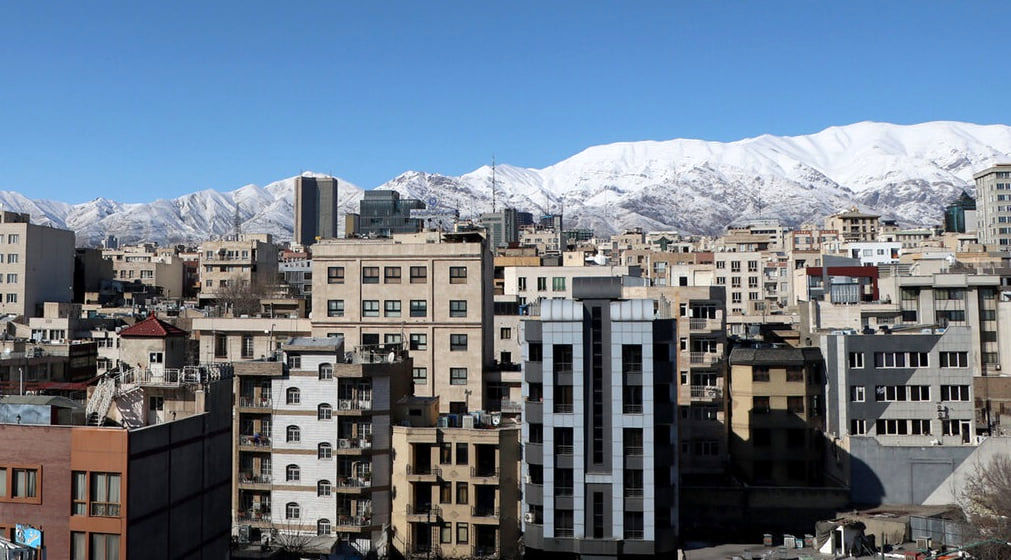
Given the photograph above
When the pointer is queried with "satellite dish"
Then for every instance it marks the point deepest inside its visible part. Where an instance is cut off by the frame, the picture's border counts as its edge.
(432, 201)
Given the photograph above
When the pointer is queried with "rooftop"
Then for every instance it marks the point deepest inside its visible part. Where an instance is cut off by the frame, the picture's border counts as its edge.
(152, 327)
(779, 355)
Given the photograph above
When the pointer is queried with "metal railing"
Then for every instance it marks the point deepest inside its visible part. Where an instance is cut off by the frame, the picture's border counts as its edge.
(248, 477)
(424, 509)
(104, 509)
(563, 450)
(253, 515)
(563, 490)
(254, 441)
(354, 443)
(430, 471)
(376, 354)
(510, 406)
(703, 324)
(486, 511)
(633, 492)
(354, 404)
(703, 358)
(353, 521)
(354, 482)
(634, 534)
(484, 551)
(706, 392)
(564, 532)
(252, 402)
(483, 472)
(633, 450)
(631, 408)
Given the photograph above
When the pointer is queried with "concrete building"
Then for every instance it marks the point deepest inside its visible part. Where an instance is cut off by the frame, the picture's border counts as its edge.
(961, 216)
(37, 265)
(232, 339)
(534, 283)
(312, 447)
(600, 427)
(431, 292)
(147, 264)
(993, 200)
(502, 227)
(249, 263)
(90, 269)
(777, 415)
(153, 486)
(315, 209)
(854, 225)
(455, 487)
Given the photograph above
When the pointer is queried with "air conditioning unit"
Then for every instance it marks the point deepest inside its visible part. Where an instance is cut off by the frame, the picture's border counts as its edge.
(496, 418)
(528, 517)
(344, 443)
(527, 479)
(345, 405)
(923, 543)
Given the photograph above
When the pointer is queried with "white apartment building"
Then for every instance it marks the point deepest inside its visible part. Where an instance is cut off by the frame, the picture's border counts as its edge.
(533, 283)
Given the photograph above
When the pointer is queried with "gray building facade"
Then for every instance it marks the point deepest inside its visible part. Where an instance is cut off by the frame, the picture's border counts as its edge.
(383, 213)
(600, 433)
(315, 209)
(502, 227)
(993, 202)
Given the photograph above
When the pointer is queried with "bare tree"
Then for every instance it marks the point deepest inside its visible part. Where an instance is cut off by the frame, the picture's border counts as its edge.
(986, 503)
(291, 537)
(240, 298)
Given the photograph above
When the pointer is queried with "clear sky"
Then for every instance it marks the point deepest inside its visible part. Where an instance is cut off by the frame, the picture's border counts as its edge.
(142, 100)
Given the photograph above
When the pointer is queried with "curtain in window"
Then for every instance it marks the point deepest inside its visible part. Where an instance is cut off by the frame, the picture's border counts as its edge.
(25, 483)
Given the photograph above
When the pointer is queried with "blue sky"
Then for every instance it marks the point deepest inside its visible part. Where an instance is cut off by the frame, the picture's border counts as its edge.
(142, 100)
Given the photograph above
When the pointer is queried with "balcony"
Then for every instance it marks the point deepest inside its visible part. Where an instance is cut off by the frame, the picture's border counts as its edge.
(484, 472)
(426, 551)
(487, 512)
(423, 474)
(706, 393)
(353, 482)
(513, 407)
(259, 403)
(423, 512)
(563, 450)
(254, 481)
(703, 358)
(704, 325)
(351, 523)
(478, 551)
(353, 445)
(253, 515)
(353, 405)
(257, 442)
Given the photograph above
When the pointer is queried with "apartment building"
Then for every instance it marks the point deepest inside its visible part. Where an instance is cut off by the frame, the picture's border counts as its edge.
(545, 239)
(854, 225)
(147, 264)
(135, 487)
(312, 452)
(777, 415)
(510, 257)
(600, 427)
(993, 201)
(534, 283)
(249, 262)
(432, 292)
(456, 493)
(315, 209)
(36, 265)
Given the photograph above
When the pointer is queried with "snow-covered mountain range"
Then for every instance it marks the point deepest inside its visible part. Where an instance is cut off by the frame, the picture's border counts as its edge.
(906, 172)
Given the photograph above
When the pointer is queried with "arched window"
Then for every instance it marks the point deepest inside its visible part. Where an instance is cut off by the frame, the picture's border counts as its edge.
(325, 371)
(324, 412)
(323, 488)
(292, 473)
(325, 451)
(294, 396)
(294, 434)
(323, 527)
(292, 511)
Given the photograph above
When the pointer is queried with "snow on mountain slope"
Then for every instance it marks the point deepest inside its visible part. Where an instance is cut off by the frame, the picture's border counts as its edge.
(905, 172)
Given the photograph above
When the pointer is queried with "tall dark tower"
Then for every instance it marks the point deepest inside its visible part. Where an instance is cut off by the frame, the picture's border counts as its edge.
(315, 209)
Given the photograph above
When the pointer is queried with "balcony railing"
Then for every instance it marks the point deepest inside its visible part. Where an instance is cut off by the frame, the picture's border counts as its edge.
(247, 477)
(424, 471)
(250, 402)
(354, 443)
(633, 450)
(431, 510)
(564, 532)
(703, 358)
(633, 492)
(563, 490)
(254, 515)
(353, 520)
(354, 404)
(510, 406)
(706, 392)
(563, 408)
(354, 482)
(485, 511)
(483, 472)
(563, 450)
(703, 324)
(104, 509)
(634, 534)
(478, 551)
(254, 441)
(419, 550)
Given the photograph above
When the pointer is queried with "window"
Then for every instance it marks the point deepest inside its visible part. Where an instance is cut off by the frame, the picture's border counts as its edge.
(761, 437)
(462, 533)
(370, 308)
(13, 238)
(105, 492)
(955, 427)
(391, 275)
(419, 341)
(292, 511)
(104, 546)
(446, 454)
(457, 275)
(78, 544)
(858, 427)
(324, 412)
(558, 284)
(12, 298)
(457, 308)
(535, 351)
(79, 491)
(25, 483)
(370, 275)
(457, 342)
(760, 405)
(324, 451)
(446, 533)
(392, 308)
(461, 493)
(293, 396)
(293, 434)
(542, 283)
(335, 275)
(889, 359)
(954, 359)
(334, 308)
(155, 357)
(794, 375)
(220, 346)
(12, 278)
(295, 361)
(795, 404)
(419, 275)
(759, 373)
(419, 308)
(420, 375)
(292, 473)
(325, 371)
(247, 346)
(505, 333)
(954, 392)
(322, 527)
(457, 376)
(461, 454)
(156, 403)
(324, 488)
(857, 393)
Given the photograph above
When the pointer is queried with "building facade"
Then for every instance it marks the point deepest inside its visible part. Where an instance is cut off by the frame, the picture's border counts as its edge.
(315, 209)
(37, 265)
(993, 200)
(247, 263)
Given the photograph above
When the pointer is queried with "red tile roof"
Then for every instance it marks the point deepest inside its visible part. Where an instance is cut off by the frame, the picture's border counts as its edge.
(152, 327)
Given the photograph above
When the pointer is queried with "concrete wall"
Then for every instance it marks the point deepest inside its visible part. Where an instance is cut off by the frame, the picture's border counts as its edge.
(894, 474)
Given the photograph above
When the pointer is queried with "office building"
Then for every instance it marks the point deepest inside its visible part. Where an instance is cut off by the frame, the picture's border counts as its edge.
(36, 265)
(383, 213)
(316, 206)
(502, 227)
(600, 432)
(455, 484)
(960, 216)
(431, 291)
(993, 200)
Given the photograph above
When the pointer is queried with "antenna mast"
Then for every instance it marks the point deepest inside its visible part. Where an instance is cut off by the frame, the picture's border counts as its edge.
(236, 221)
(493, 183)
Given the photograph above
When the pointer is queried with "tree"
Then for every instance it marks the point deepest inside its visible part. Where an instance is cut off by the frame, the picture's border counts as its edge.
(986, 503)
(292, 537)
(239, 297)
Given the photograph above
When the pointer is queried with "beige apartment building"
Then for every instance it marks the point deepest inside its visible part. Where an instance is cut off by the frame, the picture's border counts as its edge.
(455, 484)
(854, 225)
(149, 265)
(36, 265)
(431, 291)
(248, 261)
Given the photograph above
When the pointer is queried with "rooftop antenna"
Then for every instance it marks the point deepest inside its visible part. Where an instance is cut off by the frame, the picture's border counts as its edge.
(236, 221)
(493, 183)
